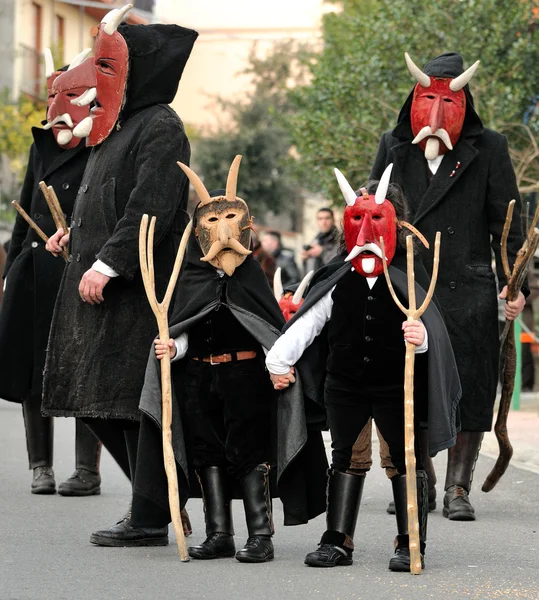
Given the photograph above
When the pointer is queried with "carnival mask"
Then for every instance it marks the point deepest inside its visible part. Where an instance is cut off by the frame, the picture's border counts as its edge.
(368, 218)
(65, 111)
(438, 109)
(290, 302)
(222, 223)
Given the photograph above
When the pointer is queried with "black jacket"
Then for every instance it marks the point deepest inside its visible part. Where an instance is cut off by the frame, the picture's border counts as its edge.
(96, 358)
(467, 201)
(34, 274)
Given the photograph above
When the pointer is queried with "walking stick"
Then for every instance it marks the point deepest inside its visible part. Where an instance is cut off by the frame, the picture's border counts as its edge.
(34, 225)
(160, 310)
(508, 359)
(54, 206)
(412, 313)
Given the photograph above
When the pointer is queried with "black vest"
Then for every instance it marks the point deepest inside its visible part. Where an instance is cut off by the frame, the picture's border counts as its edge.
(366, 341)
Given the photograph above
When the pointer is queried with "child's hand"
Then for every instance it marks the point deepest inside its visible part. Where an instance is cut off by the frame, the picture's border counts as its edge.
(414, 332)
(281, 382)
(161, 348)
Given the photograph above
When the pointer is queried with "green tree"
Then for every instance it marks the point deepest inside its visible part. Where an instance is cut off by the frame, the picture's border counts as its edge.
(360, 79)
(258, 129)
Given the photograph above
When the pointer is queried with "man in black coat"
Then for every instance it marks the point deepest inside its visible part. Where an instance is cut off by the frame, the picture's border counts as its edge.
(32, 278)
(458, 179)
(102, 306)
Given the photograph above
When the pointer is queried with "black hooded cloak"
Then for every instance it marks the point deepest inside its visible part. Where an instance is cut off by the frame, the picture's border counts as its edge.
(300, 476)
(466, 200)
(96, 355)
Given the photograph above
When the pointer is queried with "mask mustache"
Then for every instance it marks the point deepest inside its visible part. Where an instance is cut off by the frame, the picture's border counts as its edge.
(439, 133)
(65, 118)
(356, 250)
(219, 246)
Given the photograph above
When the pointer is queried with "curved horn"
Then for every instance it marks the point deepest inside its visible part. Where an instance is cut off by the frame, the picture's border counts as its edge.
(49, 62)
(381, 192)
(278, 289)
(80, 58)
(421, 78)
(459, 82)
(298, 295)
(195, 180)
(113, 18)
(232, 180)
(86, 98)
(350, 196)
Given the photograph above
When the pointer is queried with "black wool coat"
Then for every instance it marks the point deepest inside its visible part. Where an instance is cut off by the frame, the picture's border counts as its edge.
(466, 200)
(33, 274)
(97, 354)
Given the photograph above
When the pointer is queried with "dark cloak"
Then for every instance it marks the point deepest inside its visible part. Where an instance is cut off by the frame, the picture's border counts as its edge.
(466, 200)
(444, 389)
(300, 476)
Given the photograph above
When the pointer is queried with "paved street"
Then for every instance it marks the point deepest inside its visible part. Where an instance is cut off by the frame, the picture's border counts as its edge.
(45, 553)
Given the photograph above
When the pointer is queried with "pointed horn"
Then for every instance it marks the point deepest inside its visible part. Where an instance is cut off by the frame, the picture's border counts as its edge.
(49, 62)
(232, 181)
(421, 78)
(459, 82)
(86, 98)
(80, 58)
(381, 192)
(113, 18)
(350, 196)
(278, 289)
(195, 180)
(296, 298)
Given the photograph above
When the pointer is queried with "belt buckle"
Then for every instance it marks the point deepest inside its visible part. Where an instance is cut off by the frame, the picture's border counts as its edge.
(211, 360)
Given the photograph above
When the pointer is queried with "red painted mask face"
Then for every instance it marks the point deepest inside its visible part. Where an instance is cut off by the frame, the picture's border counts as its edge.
(288, 307)
(290, 302)
(437, 116)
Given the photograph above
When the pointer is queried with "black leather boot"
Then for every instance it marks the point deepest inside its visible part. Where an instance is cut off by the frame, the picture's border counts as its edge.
(401, 560)
(86, 480)
(259, 517)
(343, 500)
(216, 495)
(461, 461)
(124, 534)
(39, 444)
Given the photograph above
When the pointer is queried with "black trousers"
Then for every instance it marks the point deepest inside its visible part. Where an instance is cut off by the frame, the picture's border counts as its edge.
(350, 404)
(228, 414)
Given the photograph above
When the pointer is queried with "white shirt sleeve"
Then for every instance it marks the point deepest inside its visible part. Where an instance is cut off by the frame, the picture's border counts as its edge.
(424, 346)
(182, 343)
(288, 349)
(104, 269)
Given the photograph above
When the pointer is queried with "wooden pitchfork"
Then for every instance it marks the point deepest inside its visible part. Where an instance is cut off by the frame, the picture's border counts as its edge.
(412, 313)
(508, 357)
(160, 310)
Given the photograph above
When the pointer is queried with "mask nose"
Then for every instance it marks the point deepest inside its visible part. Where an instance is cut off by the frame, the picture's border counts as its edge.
(224, 233)
(436, 118)
(366, 232)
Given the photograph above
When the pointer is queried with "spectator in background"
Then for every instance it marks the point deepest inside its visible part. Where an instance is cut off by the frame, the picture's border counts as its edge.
(284, 257)
(266, 260)
(325, 245)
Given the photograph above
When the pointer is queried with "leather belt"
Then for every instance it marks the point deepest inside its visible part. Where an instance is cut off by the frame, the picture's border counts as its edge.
(218, 359)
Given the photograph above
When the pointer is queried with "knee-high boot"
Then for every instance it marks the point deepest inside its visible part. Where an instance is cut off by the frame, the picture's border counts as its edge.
(39, 444)
(344, 493)
(259, 516)
(216, 496)
(401, 560)
(461, 461)
(86, 480)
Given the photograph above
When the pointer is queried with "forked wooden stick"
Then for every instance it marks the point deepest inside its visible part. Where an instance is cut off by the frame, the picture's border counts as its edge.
(34, 226)
(508, 358)
(160, 310)
(412, 313)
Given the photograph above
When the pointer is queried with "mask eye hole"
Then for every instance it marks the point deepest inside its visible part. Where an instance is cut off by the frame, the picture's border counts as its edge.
(72, 95)
(357, 218)
(429, 96)
(448, 100)
(213, 219)
(376, 217)
(231, 215)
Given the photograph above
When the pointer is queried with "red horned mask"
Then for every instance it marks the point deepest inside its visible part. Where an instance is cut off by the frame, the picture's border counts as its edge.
(438, 109)
(367, 218)
(290, 302)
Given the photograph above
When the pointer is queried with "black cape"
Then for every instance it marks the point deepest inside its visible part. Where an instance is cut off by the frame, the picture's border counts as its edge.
(444, 389)
(300, 476)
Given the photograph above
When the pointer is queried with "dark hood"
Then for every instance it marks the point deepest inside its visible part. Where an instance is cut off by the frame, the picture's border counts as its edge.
(449, 64)
(157, 57)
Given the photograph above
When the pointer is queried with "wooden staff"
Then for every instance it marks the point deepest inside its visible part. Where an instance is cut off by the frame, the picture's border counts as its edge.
(412, 313)
(34, 226)
(508, 358)
(160, 310)
(54, 206)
